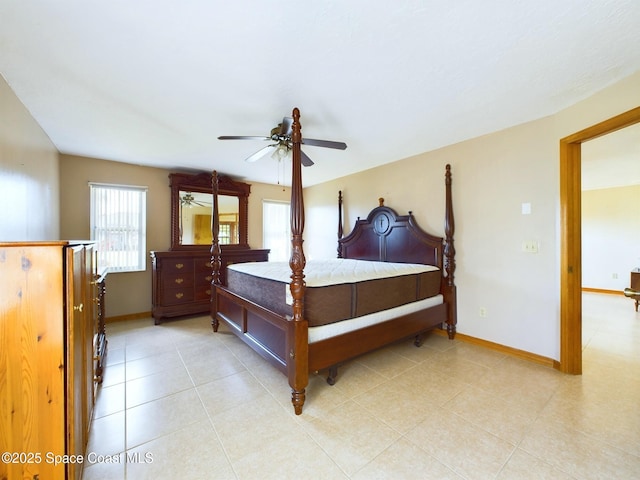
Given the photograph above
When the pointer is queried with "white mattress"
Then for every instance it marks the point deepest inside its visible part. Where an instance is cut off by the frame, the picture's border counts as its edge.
(334, 271)
(338, 328)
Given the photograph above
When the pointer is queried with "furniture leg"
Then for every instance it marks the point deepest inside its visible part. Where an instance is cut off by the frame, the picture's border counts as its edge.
(333, 373)
(297, 399)
(451, 331)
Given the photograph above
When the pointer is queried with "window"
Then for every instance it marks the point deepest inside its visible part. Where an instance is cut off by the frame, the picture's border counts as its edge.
(118, 226)
(276, 229)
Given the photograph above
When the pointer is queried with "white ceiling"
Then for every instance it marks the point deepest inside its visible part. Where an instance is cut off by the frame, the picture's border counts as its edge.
(154, 82)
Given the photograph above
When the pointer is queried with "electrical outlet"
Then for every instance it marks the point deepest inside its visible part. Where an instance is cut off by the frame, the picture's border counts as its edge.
(530, 246)
(614, 276)
(482, 312)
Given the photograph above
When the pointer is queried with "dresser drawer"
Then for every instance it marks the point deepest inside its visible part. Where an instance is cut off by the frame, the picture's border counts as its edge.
(177, 265)
(174, 296)
(203, 278)
(184, 280)
(203, 265)
(203, 292)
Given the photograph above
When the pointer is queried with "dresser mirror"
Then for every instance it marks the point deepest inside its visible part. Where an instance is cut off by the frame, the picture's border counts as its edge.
(191, 210)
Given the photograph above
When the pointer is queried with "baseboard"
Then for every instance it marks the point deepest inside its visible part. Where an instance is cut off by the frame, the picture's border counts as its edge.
(601, 290)
(514, 352)
(129, 316)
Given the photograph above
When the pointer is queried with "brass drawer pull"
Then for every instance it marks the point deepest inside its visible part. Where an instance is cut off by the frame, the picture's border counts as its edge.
(78, 308)
(208, 278)
(179, 265)
(179, 280)
(179, 295)
(208, 292)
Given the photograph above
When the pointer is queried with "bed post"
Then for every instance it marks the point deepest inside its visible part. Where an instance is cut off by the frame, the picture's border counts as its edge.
(215, 251)
(340, 232)
(449, 258)
(298, 345)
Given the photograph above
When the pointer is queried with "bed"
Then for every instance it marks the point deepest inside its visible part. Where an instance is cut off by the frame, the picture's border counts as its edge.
(301, 322)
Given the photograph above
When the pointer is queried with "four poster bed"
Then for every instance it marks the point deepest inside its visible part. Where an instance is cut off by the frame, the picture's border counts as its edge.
(391, 281)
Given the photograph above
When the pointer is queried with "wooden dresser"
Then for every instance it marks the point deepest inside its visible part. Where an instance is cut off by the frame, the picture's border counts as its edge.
(48, 339)
(181, 282)
(100, 333)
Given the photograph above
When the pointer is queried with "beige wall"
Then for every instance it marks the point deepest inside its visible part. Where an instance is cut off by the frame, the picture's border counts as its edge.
(28, 174)
(610, 233)
(130, 293)
(493, 176)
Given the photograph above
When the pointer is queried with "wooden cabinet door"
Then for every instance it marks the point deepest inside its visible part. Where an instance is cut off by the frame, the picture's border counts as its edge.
(32, 360)
(76, 393)
(90, 295)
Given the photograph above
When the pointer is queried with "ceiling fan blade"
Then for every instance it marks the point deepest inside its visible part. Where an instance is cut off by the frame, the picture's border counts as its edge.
(324, 143)
(285, 126)
(239, 137)
(305, 160)
(261, 153)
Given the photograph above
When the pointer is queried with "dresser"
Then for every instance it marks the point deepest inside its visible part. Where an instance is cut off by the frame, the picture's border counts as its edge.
(100, 335)
(49, 299)
(181, 279)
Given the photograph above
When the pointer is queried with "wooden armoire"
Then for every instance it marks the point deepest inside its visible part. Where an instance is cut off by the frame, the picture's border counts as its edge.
(50, 344)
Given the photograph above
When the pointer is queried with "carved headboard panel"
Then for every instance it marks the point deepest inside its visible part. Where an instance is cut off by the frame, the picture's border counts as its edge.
(388, 237)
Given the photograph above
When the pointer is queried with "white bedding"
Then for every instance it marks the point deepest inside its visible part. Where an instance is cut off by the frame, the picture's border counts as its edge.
(333, 271)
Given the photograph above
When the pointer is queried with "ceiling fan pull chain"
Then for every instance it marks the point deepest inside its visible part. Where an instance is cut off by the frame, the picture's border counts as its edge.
(279, 171)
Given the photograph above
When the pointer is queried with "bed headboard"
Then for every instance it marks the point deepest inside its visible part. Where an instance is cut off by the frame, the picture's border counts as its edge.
(388, 237)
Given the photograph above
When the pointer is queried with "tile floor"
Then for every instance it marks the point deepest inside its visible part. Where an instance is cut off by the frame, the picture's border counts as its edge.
(180, 402)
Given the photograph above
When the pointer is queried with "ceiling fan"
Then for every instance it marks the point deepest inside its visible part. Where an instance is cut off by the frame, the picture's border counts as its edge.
(281, 143)
(189, 200)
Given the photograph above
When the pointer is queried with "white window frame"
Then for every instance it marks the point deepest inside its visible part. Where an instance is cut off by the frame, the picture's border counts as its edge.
(277, 237)
(118, 223)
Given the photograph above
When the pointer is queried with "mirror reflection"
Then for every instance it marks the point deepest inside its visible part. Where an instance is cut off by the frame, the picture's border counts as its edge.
(195, 218)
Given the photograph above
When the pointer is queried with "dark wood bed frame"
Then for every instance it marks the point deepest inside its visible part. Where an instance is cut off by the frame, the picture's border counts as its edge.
(383, 236)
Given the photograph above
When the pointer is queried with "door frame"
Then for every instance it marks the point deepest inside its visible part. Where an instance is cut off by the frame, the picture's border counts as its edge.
(570, 241)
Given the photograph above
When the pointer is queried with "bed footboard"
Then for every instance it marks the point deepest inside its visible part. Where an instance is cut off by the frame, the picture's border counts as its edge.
(261, 329)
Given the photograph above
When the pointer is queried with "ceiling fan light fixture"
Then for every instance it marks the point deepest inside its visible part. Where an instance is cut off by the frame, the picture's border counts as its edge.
(280, 153)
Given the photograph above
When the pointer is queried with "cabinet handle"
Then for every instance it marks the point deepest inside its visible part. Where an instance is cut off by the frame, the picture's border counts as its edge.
(179, 280)
(208, 265)
(78, 308)
(208, 278)
(179, 265)
(208, 292)
(179, 295)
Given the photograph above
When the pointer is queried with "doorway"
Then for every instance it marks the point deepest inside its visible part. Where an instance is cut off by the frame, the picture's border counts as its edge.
(570, 237)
